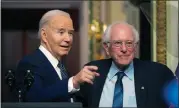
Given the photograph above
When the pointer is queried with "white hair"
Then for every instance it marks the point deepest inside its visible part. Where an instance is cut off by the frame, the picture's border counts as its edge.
(107, 33)
(47, 16)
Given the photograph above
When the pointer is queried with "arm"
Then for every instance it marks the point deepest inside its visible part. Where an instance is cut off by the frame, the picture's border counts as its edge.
(59, 89)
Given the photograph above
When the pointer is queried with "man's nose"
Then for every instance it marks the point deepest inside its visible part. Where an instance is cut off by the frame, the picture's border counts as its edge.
(123, 47)
(67, 37)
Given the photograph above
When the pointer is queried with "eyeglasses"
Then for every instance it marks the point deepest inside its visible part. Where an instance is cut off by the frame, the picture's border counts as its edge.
(118, 43)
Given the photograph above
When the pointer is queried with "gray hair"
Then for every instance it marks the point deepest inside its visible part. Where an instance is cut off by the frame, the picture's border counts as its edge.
(46, 17)
(106, 36)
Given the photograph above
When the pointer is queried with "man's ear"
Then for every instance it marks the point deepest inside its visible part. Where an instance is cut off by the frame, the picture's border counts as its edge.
(136, 48)
(106, 47)
(43, 35)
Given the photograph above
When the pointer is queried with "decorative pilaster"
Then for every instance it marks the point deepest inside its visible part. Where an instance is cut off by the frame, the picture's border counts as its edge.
(95, 30)
(161, 31)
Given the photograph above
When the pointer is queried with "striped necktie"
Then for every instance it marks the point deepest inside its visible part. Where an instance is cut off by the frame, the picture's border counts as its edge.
(63, 70)
(118, 91)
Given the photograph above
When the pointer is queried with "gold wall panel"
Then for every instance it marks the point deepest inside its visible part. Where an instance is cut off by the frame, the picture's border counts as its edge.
(161, 31)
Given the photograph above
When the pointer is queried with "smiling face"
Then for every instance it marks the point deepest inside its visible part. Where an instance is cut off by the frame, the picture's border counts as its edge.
(121, 47)
(57, 35)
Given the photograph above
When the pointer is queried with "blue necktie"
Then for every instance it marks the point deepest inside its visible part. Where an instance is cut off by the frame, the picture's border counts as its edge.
(118, 91)
(63, 70)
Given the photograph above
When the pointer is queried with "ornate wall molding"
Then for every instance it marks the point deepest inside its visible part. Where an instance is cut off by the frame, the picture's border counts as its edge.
(97, 18)
(161, 31)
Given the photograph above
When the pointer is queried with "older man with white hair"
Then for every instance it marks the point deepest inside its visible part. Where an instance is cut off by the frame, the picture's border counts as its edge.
(124, 80)
(51, 80)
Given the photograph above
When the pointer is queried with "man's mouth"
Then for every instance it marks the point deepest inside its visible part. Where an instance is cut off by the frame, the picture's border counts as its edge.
(65, 46)
(124, 56)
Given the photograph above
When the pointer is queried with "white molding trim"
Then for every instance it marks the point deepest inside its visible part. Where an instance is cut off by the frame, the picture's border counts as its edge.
(172, 35)
(84, 42)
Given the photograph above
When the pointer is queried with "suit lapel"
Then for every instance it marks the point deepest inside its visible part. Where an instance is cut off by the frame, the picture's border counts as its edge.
(48, 68)
(140, 85)
(99, 82)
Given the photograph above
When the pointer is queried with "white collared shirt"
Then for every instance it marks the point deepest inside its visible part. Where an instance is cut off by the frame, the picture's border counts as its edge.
(54, 63)
(129, 97)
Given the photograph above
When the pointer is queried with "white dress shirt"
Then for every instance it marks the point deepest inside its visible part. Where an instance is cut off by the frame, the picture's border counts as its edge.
(129, 97)
(54, 63)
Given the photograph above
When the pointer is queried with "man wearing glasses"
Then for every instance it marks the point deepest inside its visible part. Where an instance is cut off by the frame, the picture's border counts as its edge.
(124, 80)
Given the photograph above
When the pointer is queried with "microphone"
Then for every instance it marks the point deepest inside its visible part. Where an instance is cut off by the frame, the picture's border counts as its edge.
(10, 79)
(28, 79)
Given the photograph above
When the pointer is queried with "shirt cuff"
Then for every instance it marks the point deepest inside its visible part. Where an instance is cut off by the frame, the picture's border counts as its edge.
(71, 88)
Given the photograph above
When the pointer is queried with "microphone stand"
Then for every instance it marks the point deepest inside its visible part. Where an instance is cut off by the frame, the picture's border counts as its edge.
(22, 88)
(28, 79)
(10, 79)
(27, 83)
(20, 98)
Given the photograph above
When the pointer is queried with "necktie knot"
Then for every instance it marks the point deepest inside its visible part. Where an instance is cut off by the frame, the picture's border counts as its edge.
(59, 64)
(120, 75)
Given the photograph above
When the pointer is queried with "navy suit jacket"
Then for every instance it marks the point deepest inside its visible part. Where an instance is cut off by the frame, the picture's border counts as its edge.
(152, 76)
(47, 85)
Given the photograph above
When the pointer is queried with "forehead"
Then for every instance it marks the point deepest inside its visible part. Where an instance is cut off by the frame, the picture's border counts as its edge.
(121, 32)
(59, 21)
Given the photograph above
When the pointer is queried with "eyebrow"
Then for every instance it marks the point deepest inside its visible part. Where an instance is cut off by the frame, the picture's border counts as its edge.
(72, 31)
(62, 29)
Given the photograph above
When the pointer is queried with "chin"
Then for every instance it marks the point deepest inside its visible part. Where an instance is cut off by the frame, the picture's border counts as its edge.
(64, 53)
(124, 62)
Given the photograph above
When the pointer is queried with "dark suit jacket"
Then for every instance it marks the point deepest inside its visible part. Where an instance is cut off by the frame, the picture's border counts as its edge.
(152, 76)
(47, 86)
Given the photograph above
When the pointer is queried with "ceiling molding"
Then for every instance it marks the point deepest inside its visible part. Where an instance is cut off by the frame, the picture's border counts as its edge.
(40, 4)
